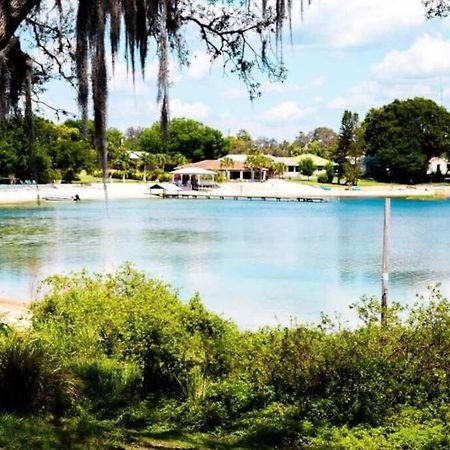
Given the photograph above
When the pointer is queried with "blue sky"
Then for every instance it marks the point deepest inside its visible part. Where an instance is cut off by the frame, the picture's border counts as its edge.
(352, 54)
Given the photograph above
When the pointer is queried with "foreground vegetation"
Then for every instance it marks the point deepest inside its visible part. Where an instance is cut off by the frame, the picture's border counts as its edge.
(118, 361)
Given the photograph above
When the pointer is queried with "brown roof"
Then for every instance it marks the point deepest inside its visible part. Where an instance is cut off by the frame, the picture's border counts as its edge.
(214, 164)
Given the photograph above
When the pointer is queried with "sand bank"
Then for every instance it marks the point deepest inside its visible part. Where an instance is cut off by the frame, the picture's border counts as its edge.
(282, 188)
(28, 194)
(12, 311)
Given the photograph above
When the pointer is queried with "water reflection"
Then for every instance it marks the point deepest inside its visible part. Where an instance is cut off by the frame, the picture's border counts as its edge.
(255, 262)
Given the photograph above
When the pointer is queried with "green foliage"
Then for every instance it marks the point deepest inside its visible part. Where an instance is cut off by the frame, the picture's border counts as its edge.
(142, 358)
(322, 178)
(165, 177)
(403, 135)
(131, 318)
(329, 169)
(107, 381)
(349, 148)
(257, 161)
(306, 167)
(31, 380)
(192, 139)
(59, 150)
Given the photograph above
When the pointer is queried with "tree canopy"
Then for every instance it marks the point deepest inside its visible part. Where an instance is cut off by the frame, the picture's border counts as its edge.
(190, 138)
(241, 33)
(60, 151)
(403, 135)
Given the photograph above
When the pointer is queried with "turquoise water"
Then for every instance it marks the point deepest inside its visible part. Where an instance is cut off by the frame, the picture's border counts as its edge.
(255, 262)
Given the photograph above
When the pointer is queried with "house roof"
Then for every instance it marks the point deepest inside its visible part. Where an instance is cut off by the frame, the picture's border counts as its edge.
(236, 157)
(192, 171)
(318, 161)
(294, 160)
(215, 165)
(208, 164)
(165, 187)
(288, 161)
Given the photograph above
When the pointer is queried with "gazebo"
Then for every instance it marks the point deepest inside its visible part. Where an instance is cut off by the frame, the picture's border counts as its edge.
(196, 177)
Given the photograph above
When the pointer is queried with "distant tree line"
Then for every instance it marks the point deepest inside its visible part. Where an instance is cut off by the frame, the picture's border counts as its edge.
(393, 143)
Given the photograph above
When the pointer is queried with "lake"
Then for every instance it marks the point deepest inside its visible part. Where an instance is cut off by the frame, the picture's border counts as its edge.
(255, 262)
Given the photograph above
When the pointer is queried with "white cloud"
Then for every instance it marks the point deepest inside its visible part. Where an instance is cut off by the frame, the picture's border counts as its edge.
(285, 111)
(122, 78)
(235, 93)
(231, 123)
(196, 110)
(406, 90)
(428, 56)
(362, 95)
(359, 22)
(319, 81)
(279, 88)
(200, 65)
(373, 93)
(266, 88)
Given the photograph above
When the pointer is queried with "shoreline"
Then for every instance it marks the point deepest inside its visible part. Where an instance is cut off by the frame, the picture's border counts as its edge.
(13, 310)
(20, 195)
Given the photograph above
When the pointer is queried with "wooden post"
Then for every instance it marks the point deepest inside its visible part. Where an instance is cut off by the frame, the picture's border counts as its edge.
(385, 273)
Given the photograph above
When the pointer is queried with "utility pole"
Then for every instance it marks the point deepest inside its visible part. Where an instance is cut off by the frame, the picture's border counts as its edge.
(385, 273)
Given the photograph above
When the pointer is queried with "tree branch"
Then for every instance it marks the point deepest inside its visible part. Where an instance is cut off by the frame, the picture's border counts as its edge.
(12, 14)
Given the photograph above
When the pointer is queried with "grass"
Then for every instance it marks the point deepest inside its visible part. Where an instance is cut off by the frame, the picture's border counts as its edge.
(84, 178)
(85, 432)
(363, 182)
(90, 179)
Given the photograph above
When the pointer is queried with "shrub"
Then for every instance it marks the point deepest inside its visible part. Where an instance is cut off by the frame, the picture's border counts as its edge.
(322, 178)
(31, 380)
(107, 381)
(165, 177)
(127, 317)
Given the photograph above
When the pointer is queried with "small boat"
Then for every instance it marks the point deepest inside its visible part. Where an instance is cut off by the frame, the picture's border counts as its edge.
(60, 198)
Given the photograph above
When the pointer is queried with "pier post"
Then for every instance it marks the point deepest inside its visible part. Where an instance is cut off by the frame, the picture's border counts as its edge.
(385, 271)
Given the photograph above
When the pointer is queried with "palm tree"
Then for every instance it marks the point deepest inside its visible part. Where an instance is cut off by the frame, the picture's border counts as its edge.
(257, 161)
(148, 162)
(278, 169)
(227, 163)
(123, 160)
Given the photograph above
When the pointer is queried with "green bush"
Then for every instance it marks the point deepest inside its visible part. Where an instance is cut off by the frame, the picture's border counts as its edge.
(128, 317)
(129, 338)
(107, 381)
(322, 178)
(165, 177)
(31, 380)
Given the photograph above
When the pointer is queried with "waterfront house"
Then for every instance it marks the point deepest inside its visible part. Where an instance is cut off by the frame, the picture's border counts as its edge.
(292, 164)
(237, 171)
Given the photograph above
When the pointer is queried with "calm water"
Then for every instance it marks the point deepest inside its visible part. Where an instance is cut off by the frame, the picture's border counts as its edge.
(256, 262)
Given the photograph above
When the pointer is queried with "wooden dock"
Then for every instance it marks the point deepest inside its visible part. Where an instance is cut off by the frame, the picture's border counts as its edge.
(209, 196)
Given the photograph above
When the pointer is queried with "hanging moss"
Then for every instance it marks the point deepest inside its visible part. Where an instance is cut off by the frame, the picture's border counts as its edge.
(139, 22)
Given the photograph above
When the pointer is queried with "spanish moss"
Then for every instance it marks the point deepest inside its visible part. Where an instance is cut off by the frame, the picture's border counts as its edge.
(225, 28)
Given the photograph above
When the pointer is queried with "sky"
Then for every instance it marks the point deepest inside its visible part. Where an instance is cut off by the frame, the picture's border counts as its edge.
(352, 54)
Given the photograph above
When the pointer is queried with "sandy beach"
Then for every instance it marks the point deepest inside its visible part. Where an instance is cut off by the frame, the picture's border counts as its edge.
(282, 188)
(12, 311)
(279, 188)
(28, 194)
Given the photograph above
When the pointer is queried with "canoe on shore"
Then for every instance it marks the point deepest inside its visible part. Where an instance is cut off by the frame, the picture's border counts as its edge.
(60, 198)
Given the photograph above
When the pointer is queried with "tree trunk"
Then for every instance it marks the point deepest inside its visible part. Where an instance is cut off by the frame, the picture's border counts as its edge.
(12, 14)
